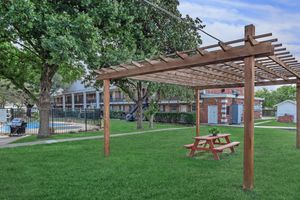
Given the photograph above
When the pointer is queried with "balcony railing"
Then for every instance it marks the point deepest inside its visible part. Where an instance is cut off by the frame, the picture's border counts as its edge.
(117, 100)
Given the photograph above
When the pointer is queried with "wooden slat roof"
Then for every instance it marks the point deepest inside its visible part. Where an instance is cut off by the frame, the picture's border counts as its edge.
(215, 66)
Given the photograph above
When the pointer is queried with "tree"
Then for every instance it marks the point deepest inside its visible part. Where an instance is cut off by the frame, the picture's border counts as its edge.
(156, 34)
(276, 96)
(10, 94)
(64, 37)
(72, 37)
(158, 92)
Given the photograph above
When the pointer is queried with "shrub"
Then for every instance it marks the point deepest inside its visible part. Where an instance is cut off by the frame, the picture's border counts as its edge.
(175, 117)
(116, 114)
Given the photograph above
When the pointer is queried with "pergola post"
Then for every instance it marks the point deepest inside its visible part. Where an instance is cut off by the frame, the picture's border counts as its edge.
(106, 102)
(249, 115)
(298, 114)
(197, 102)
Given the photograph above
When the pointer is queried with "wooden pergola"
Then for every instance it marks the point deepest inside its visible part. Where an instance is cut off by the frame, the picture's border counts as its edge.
(255, 60)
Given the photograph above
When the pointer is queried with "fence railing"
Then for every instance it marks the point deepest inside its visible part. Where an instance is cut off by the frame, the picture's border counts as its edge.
(60, 121)
(269, 112)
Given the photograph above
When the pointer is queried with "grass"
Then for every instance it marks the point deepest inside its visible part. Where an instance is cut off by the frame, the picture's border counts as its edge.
(150, 166)
(273, 122)
(117, 126)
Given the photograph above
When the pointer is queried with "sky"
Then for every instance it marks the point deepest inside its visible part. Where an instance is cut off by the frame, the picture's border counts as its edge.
(226, 19)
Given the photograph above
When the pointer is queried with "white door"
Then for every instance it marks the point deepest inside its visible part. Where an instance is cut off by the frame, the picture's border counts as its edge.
(212, 114)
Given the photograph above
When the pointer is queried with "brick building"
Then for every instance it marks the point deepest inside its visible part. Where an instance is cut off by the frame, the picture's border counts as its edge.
(216, 104)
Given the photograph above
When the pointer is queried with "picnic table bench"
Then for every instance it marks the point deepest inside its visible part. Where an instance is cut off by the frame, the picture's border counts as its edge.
(201, 142)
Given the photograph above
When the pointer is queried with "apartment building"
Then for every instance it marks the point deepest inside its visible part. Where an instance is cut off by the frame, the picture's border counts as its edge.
(216, 104)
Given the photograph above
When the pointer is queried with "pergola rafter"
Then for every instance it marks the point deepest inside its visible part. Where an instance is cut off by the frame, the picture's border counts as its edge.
(255, 60)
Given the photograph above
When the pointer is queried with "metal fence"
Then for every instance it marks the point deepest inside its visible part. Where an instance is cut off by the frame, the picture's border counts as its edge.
(60, 121)
(269, 112)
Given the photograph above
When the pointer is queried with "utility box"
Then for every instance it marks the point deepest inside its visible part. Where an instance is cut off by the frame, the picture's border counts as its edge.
(236, 113)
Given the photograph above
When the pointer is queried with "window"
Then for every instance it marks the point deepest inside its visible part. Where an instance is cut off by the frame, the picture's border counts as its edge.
(194, 107)
(162, 108)
(173, 108)
(228, 110)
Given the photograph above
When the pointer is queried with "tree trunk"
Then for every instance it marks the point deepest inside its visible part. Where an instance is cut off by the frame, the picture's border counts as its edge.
(139, 112)
(151, 121)
(28, 109)
(44, 100)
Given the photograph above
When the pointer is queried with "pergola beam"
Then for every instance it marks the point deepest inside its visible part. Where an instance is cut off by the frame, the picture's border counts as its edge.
(106, 117)
(264, 68)
(197, 101)
(241, 68)
(217, 74)
(264, 83)
(214, 57)
(298, 114)
(249, 116)
(284, 65)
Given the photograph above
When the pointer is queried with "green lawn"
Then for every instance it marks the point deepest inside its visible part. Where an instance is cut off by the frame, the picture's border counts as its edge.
(150, 166)
(117, 126)
(273, 122)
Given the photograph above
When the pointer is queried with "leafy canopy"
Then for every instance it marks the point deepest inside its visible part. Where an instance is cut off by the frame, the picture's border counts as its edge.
(276, 96)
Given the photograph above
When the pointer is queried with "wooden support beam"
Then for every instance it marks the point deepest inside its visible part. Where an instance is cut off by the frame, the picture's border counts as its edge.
(214, 57)
(164, 59)
(257, 74)
(271, 71)
(161, 79)
(227, 71)
(224, 47)
(252, 41)
(235, 85)
(149, 61)
(181, 55)
(192, 80)
(298, 114)
(197, 101)
(216, 74)
(279, 49)
(137, 64)
(106, 102)
(284, 65)
(249, 116)
(201, 51)
(185, 75)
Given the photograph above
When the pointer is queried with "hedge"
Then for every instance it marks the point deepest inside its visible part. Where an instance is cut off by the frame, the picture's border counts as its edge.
(176, 117)
(164, 117)
(116, 114)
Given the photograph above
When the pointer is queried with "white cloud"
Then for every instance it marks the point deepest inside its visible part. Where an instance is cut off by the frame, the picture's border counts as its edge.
(226, 19)
(252, 6)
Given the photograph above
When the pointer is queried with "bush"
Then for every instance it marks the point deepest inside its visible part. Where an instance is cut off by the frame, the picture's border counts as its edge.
(116, 114)
(176, 117)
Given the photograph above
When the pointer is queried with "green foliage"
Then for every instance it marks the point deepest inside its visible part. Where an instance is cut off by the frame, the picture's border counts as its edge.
(214, 130)
(175, 117)
(276, 96)
(152, 109)
(115, 114)
(36, 115)
(72, 37)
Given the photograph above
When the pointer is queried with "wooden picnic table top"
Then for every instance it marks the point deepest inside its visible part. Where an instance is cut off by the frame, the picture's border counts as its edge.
(210, 137)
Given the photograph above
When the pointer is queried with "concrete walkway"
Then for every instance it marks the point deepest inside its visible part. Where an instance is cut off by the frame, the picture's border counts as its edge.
(266, 127)
(6, 139)
(84, 138)
(263, 122)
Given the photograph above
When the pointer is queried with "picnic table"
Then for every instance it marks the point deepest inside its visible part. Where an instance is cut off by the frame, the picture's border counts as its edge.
(214, 144)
